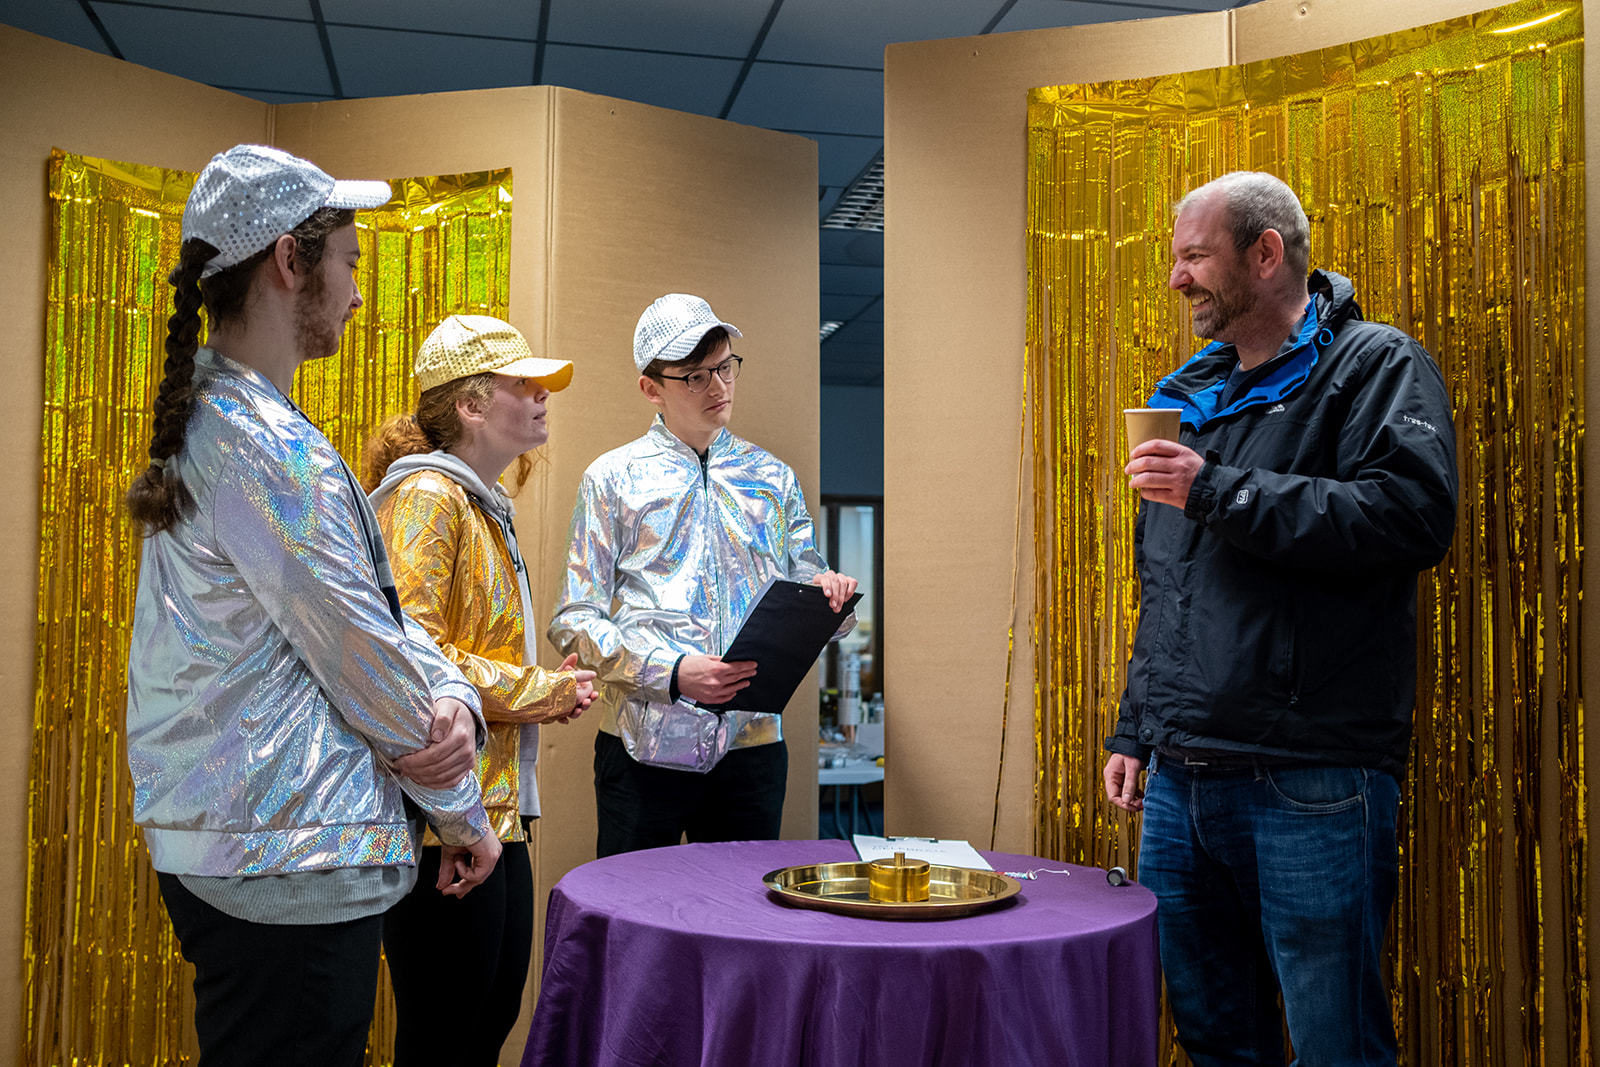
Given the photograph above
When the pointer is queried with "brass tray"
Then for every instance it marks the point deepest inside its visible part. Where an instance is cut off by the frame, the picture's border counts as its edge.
(842, 888)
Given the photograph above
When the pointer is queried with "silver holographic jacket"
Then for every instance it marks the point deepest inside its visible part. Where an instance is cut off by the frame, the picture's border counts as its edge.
(683, 548)
(269, 683)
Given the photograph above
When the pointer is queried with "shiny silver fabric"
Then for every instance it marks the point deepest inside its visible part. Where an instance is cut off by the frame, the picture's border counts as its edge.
(683, 549)
(268, 683)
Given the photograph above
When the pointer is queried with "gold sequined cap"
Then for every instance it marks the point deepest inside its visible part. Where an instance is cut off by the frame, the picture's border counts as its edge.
(463, 345)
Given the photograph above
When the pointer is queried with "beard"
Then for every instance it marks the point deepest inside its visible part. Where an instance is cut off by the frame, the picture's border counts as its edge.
(1224, 307)
(317, 334)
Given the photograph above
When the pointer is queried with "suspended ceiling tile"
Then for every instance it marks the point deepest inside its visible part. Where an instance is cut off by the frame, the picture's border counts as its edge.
(847, 356)
(873, 312)
(857, 378)
(856, 248)
(491, 18)
(392, 63)
(811, 99)
(289, 9)
(59, 20)
(684, 83)
(1047, 14)
(286, 98)
(231, 50)
(704, 27)
(842, 308)
(859, 362)
(853, 33)
(864, 281)
(841, 159)
(859, 337)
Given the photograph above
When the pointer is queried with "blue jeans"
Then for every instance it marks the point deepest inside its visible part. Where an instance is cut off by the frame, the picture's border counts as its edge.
(1269, 880)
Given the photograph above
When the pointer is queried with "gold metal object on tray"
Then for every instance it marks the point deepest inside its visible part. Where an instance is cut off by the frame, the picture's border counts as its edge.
(897, 880)
(845, 888)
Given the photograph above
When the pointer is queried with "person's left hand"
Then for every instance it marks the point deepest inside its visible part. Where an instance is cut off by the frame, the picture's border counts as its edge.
(461, 867)
(839, 587)
(1163, 471)
(585, 696)
(451, 751)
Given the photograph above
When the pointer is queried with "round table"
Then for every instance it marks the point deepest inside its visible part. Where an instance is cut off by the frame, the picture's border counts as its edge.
(680, 956)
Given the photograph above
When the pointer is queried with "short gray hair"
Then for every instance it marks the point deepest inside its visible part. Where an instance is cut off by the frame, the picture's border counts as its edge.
(1258, 202)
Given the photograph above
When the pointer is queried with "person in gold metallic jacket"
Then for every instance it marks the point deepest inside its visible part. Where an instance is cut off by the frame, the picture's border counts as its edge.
(434, 476)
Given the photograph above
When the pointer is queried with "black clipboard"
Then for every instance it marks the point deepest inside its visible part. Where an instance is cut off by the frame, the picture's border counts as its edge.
(786, 630)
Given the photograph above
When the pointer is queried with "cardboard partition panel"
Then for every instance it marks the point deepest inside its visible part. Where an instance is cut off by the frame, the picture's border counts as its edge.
(955, 302)
(59, 96)
(955, 140)
(616, 203)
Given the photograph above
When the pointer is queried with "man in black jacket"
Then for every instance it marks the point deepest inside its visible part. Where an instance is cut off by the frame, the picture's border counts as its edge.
(1272, 678)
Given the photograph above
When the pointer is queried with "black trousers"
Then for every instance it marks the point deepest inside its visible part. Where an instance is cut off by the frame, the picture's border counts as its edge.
(740, 799)
(456, 960)
(272, 994)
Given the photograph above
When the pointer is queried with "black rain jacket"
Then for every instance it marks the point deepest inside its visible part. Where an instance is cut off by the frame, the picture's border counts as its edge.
(1277, 612)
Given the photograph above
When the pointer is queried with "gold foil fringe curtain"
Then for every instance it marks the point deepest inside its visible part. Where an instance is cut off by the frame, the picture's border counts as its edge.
(1443, 171)
(103, 980)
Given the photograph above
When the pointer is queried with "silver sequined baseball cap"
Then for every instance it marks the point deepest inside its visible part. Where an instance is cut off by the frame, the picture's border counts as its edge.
(251, 194)
(671, 327)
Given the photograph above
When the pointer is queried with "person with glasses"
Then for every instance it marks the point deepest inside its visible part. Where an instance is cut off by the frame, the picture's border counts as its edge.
(673, 536)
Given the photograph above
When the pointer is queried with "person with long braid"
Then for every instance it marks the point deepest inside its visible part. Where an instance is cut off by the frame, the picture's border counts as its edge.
(435, 478)
(283, 713)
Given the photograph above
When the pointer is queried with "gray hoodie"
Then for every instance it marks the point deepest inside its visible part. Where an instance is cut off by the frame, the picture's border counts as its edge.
(496, 504)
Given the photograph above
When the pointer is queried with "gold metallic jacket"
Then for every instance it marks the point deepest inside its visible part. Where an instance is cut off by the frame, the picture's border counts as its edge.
(458, 576)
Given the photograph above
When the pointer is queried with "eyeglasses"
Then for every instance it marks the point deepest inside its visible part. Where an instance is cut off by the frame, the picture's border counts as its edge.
(696, 381)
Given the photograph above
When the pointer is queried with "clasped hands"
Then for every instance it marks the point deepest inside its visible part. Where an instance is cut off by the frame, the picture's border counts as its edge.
(452, 747)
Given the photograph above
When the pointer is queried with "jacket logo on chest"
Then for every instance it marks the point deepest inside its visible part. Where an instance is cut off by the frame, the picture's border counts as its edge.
(1242, 497)
(1276, 409)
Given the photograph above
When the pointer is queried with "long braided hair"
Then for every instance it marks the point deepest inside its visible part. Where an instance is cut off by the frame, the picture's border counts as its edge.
(157, 499)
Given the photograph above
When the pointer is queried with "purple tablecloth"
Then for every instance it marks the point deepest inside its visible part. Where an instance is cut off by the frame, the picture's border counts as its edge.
(679, 956)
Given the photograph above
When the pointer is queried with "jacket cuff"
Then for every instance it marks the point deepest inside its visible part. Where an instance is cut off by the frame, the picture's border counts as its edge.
(1125, 746)
(457, 814)
(1202, 498)
(468, 694)
(655, 680)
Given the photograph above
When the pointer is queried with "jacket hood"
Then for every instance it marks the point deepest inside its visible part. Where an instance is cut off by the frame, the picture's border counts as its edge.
(493, 500)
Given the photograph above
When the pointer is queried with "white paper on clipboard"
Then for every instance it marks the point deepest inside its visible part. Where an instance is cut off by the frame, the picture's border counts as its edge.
(937, 851)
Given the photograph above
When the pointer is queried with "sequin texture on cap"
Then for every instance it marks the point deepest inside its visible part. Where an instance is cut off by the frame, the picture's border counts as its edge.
(250, 194)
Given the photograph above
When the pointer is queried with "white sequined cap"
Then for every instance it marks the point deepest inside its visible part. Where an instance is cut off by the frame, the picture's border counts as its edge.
(671, 327)
(251, 194)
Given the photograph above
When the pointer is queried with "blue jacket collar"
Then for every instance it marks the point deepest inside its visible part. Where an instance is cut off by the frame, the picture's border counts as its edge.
(1196, 388)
